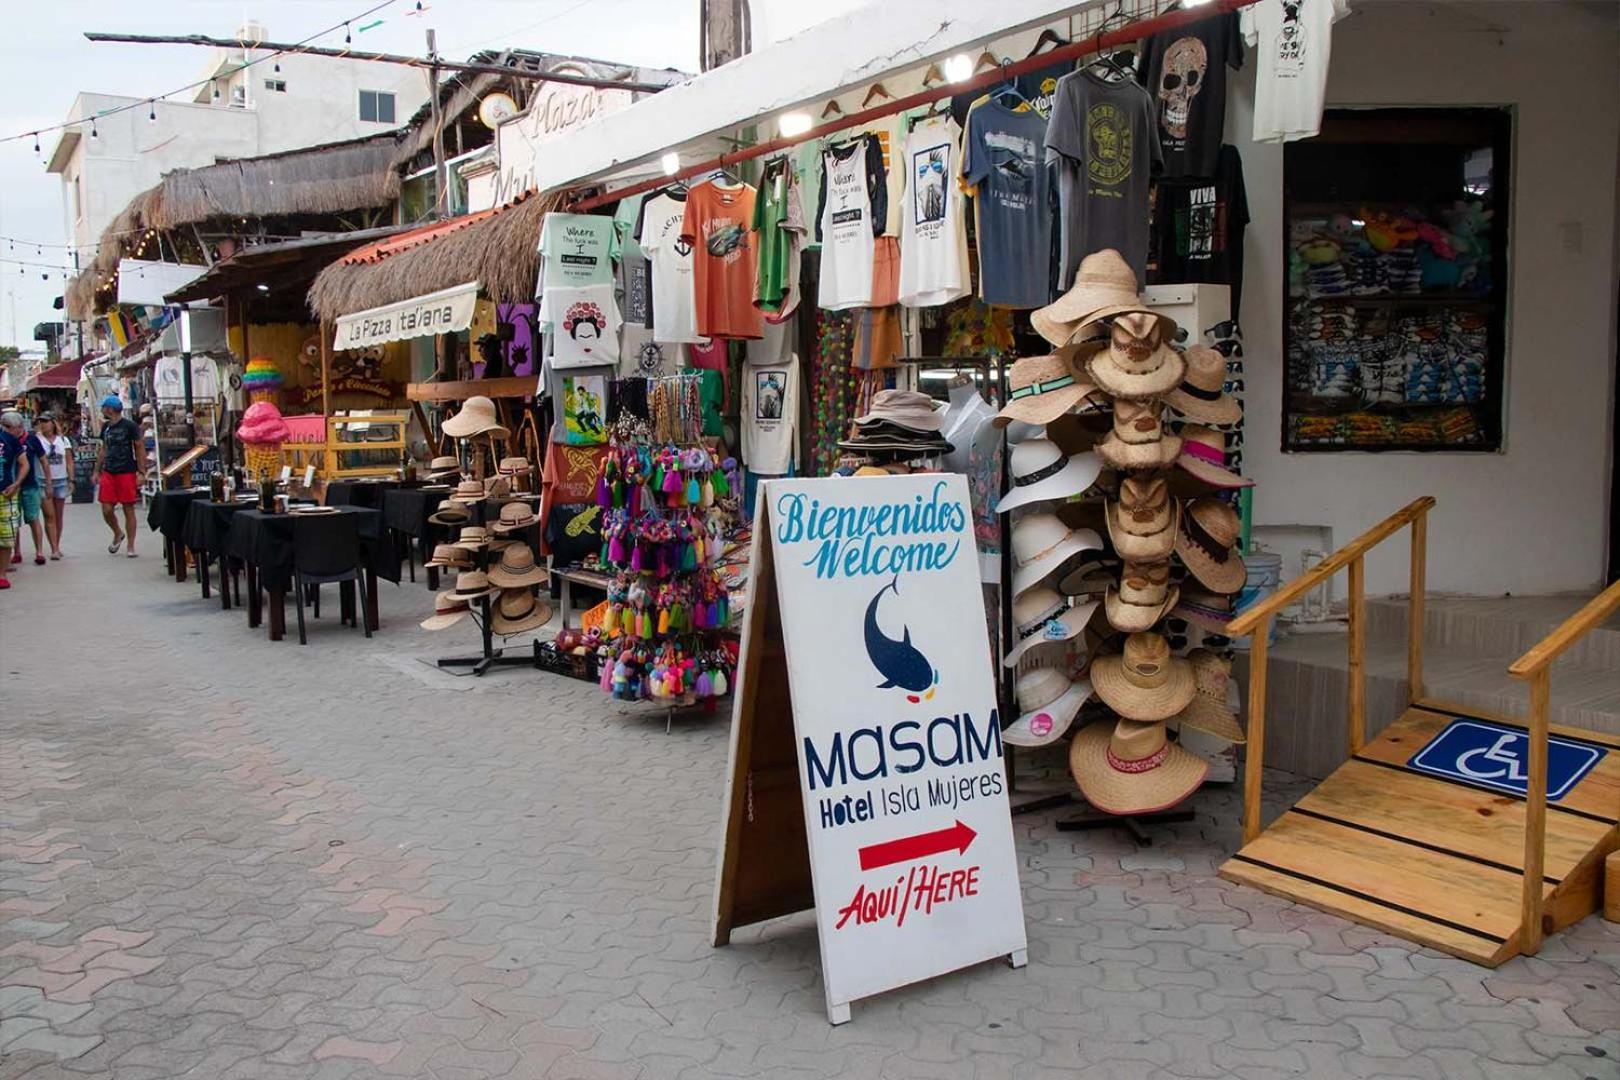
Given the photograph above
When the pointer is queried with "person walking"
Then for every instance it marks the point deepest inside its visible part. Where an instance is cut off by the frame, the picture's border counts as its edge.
(58, 481)
(31, 496)
(13, 470)
(119, 464)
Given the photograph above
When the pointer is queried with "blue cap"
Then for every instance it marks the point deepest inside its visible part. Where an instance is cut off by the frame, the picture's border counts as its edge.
(112, 401)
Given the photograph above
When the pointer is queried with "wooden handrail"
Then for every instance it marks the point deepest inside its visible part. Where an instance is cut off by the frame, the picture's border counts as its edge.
(1265, 609)
(1571, 630)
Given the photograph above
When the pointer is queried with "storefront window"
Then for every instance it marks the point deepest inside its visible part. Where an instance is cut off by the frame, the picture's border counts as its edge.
(1397, 275)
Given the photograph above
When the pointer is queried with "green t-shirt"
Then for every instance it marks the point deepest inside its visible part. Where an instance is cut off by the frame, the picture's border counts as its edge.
(778, 227)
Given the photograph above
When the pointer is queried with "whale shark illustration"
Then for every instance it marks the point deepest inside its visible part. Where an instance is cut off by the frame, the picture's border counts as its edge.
(899, 662)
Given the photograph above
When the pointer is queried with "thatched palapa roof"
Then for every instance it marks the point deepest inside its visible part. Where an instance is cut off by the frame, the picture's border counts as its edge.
(498, 248)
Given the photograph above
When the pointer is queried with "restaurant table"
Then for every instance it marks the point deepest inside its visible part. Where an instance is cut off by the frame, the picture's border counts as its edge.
(264, 543)
(208, 533)
(406, 512)
(367, 493)
(166, 515)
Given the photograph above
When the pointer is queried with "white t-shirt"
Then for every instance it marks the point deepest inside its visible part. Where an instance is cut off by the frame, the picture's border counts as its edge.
(846, 230)
(770, 413)
(1292, 41)
(575, 250)
(674, 296)
(642, 355)
(933, 239)
(586, 332)
(58, 454)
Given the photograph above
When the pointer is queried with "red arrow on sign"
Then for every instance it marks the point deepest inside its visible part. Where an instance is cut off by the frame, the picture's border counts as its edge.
(956, 838)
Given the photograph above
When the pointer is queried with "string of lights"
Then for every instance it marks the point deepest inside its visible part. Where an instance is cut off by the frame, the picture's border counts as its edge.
(151, 102)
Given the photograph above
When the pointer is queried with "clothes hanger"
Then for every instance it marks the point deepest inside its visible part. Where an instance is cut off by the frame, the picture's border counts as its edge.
(1047, 38)
(933, 75)
(877, 88)
(831, 110)
(1007, 86)
(986, 59)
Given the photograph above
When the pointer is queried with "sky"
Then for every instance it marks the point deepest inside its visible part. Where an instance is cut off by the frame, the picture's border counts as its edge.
(48, 62)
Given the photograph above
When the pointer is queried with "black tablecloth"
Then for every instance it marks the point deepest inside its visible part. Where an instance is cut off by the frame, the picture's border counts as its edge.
(367, 493)
(208, 524)
(266, 540)
(167, 512)
(407, 510)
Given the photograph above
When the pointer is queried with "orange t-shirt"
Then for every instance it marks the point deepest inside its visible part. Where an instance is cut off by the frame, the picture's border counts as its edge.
(724, 260)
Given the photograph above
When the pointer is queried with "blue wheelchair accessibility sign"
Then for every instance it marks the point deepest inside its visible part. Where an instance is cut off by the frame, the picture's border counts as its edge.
(1498, 757)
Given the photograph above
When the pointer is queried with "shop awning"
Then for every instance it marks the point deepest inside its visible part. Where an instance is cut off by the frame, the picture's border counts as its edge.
(442, 312)
(276, 270)
(846, 54)
(63, 376)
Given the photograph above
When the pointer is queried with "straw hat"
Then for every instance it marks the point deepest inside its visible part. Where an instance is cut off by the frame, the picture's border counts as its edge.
(467, 492)
(1139, 440)
(473, 537)
(450, 513)
(910, 409)
(470, 585)
(1203, 453)
(1039, 471)
(1041, 617)
(1042, 388)
(517, 569)
(1207, 711)
(1200, 396)
(1205, 610)
(1207, 542)
(1104, 285)
(1139, 362)
(445, 465)
(1093, 578)
(872, 470)
(1047, 704)
(1143, 596)
(497, 487)
(519, 610)
(515, 517)
(477, 417)
(449, 556)
(448, 609)
(514, 466)
(1041, 543)
(1142, 521)
(1129, 767)
(1146, 682)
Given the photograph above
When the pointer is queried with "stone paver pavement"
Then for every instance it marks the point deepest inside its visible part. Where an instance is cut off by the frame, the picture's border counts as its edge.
(224, 858)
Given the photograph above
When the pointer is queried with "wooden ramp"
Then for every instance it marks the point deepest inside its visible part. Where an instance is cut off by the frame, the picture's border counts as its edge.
(1439, 861)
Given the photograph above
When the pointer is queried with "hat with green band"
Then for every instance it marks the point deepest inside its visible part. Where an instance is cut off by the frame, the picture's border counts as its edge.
(1042, 388)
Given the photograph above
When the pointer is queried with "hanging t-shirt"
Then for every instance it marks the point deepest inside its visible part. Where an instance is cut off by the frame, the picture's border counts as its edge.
(1185, 72)
(848, 222)
(633, 271)
(642, 355)
(1198, 228)
(1040, 87)
(1106, 143)
(770, 413)
(587, 326)
(583, 408)
(778, 227)
(933, 241)
(1292, 40)
(889, 133)
(724, 259)
(1003, 168)
(674, 301)
(558, 384)
(575, 250)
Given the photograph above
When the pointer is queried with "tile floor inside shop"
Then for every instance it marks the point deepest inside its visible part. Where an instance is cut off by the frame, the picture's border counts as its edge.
(224, 857)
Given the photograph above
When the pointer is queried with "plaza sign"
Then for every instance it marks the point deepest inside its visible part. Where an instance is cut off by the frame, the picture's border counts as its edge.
(884, 751)
(555, 109)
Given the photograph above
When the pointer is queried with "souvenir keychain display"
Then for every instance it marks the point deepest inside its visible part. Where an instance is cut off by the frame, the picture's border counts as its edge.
(666, 603)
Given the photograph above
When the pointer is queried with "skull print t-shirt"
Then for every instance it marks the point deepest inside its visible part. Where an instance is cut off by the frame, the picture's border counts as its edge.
(1185, 72)
(1105, 141)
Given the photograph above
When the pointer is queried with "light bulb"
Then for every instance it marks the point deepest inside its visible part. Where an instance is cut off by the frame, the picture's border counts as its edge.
(672, 163)
(151, 112)
(959, 68)
(794, 123)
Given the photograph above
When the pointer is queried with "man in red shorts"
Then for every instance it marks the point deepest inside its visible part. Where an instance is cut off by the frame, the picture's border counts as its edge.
(119, 467)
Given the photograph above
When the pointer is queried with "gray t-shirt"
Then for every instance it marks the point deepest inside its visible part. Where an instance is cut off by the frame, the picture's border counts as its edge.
(1003, 162)
(1104, 139)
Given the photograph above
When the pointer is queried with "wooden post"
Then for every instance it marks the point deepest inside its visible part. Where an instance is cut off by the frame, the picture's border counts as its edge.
(1255, 749)
(1414, 613)
(1535, 814)
(439, 180)
(1358, 654)
(327, 459)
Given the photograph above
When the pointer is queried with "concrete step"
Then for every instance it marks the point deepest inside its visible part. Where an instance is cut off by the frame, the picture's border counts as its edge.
(1502, 627)
(1307, 693)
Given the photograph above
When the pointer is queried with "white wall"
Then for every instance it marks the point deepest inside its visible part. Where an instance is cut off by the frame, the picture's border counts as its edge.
(1534, 517)
(322, 101)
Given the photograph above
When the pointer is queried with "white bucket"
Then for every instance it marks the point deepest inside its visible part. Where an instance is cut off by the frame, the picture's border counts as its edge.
(1265, 574)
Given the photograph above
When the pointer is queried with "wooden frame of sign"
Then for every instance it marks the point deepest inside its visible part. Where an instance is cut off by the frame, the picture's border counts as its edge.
(887, 844)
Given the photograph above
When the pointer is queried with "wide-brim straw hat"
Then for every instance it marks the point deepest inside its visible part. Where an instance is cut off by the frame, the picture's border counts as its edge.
(1090, 578)
(513, 466)
(910, 409)
(447, 611)
(1144, 682)
(1138, 363)
(1129, 767)
(472, 538)
(517, 569)
(1042, 616)
(477, 417)
(1042, 388)
(1133, 618)
(1203, 454)
(450, 513)
(1134, 457)
(515, 517)
(1206, 540)
(1207, 611)
(1044, 718)
(1200, 396)
(1208, 711)
(440, 467)
(449, 556)
(1147, 546)
(517, 611)
(1042, 543)
(467, 492)
(1040, 471)
(1104, 286)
